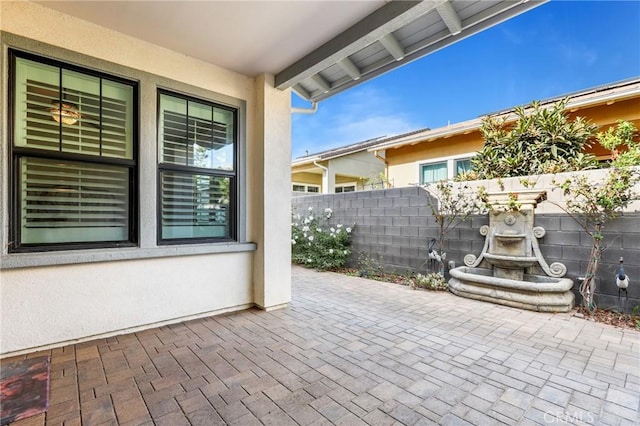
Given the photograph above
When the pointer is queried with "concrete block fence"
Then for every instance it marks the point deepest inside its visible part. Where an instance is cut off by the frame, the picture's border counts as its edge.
(395, 225)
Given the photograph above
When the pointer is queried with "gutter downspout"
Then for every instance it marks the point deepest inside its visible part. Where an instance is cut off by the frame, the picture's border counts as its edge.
(326, 170)
(312, 110)
(386, 164)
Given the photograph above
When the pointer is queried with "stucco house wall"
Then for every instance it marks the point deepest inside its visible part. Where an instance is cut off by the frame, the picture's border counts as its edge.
(352, 167)
(52, 298)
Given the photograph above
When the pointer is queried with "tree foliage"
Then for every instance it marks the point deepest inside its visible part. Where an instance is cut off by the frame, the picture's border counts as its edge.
(541, 140)
(593, 204)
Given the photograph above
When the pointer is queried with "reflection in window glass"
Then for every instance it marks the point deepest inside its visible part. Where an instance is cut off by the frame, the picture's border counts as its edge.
(462, 166)
(196, 134)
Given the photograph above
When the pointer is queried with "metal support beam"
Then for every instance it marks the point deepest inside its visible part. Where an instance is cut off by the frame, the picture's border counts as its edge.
(392, 46)
(390, 17)
(350, 68)
(450, 17)
(321, 83)
(301, 91)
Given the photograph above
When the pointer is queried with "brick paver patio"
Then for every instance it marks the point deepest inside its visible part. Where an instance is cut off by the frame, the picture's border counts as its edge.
(352, 351)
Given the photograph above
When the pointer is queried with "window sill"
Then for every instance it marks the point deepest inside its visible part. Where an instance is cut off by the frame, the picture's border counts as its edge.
(28, 260)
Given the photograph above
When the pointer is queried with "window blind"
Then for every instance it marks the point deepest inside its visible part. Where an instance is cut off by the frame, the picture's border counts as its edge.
(74, 150)
(102, 109)
(189, 141)
(194, 205)
(65, 201)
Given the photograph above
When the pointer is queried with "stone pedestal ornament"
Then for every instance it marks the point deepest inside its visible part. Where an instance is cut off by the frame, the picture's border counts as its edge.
(503, 272)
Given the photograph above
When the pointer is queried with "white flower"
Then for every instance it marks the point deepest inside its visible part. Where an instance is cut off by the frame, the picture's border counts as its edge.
(306, 220)
(309, 260)
(339, 225)
(310, 237)
(310, 208)
(346, 252)
(293, 242)
(295, 237)
(298, 216)
(328, 210)
(330, 251)
(333, 230)
(305, 228)
(348, 230)
(310, 218)
(319, 229)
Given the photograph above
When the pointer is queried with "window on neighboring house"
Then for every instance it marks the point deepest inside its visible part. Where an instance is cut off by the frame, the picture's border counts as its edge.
(197, 166)
(74, 157)
(345, 188)
(433, 172)
(462, 165)
(302, 187)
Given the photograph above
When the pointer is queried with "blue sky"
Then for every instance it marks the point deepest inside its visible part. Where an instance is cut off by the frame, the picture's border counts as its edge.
(552, 50)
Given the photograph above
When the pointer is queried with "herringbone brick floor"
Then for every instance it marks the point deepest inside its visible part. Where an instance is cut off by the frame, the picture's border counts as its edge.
(350, 351)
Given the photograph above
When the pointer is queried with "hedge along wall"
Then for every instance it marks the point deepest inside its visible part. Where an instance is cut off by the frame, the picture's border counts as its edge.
(395, 226)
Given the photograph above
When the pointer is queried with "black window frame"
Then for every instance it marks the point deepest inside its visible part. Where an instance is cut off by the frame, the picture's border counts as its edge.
(15, 153)
(233, 175)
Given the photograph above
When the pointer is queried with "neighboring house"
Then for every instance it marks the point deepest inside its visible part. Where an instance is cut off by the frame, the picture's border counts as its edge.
(145, 149)
(442, 153)
(344, 169)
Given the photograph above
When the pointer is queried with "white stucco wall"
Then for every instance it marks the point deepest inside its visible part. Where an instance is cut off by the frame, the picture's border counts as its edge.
(361, 164)
(272, 268)
(405, 174)
(53, 304)
(81, 294)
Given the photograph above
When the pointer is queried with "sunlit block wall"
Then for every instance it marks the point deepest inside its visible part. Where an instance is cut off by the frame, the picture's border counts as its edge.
(394, 227)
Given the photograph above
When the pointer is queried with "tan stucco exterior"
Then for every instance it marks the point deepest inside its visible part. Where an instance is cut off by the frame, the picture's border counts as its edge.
(52, 298)
(404, 161)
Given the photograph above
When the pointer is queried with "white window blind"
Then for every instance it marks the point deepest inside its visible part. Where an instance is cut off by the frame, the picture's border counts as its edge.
(194, 205)
(73, 142)
(102, 112)
(73, 202)
(196, 154)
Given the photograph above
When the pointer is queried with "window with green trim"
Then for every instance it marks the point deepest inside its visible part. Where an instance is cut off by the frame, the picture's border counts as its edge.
(462, 165)
(74, 157)
(197, 145)
(433, 172)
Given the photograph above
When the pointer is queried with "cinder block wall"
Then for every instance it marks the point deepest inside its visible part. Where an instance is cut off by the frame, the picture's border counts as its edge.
(395, 226)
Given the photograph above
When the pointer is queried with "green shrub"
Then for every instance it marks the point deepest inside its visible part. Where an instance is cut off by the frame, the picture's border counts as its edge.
(316, 244)
(541, 140)
(431, 281)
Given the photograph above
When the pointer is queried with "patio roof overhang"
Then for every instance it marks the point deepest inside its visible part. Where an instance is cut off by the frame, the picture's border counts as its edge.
(318, 48)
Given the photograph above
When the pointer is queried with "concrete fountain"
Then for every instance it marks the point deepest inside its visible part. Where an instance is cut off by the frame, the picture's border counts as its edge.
(507, 269)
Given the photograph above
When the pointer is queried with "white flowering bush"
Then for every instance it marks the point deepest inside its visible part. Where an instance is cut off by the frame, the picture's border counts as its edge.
(316, 244)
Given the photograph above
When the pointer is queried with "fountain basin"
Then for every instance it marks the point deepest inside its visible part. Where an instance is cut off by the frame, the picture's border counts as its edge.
(535, 292)
(510, 262)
